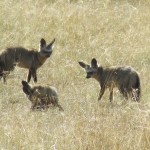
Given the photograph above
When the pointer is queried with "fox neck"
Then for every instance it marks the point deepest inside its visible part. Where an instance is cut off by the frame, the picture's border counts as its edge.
(99, 74)
(41, 59)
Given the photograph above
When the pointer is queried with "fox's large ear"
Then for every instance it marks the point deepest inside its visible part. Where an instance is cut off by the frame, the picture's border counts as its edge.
(94, 63)
(24, 83)
(42, 43)
(83, 65)
(51, 44)
(25, 88)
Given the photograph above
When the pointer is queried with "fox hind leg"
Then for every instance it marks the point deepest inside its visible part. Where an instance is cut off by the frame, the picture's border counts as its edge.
(124, 92)
(135, 95)
(111, 95)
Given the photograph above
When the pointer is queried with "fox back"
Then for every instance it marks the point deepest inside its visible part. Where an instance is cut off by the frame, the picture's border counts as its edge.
(124, 77)
(116, 76)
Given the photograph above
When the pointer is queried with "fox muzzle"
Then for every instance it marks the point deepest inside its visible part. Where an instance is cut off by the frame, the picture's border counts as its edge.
(48, 54)
(88, 76)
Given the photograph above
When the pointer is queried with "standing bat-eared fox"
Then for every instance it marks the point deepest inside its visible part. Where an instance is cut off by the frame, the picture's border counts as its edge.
(124, 77)
(24, 58)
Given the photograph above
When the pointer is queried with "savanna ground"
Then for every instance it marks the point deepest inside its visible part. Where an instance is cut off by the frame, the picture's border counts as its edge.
(115, 33)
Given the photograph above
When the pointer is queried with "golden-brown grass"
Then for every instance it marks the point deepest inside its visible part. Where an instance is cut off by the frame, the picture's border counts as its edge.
(115, 33)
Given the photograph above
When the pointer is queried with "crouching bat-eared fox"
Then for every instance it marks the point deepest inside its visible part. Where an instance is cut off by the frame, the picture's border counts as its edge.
(41, 97)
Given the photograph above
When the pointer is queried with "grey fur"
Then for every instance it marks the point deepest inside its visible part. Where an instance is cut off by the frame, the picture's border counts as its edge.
(41, 96)
(124, 77)
(24, 58)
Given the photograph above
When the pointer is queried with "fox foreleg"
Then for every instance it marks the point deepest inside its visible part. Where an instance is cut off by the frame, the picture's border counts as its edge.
(101, 93)
(34, 75)
(29, 76)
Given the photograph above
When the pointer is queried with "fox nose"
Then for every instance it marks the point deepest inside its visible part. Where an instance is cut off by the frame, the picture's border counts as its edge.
(49, 54)
(88, 76)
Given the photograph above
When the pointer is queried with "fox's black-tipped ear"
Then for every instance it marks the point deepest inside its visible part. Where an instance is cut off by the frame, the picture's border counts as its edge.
(94, 63)
(24, 83)
(82, 64)
(26, 88)
(51, 44)
(42, 43)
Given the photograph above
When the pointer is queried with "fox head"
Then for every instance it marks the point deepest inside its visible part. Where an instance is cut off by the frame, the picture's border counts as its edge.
(46, 50)
(29, 91)
(91, 70)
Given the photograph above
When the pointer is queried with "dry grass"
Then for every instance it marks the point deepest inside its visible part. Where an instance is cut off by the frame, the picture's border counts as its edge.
(114, 32)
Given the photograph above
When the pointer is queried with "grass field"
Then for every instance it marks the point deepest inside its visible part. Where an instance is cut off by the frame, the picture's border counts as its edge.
(115, 33)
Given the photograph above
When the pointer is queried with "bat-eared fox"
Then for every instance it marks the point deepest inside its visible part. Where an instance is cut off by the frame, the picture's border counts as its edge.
(124, 77)
(41, 97)
(24, 58)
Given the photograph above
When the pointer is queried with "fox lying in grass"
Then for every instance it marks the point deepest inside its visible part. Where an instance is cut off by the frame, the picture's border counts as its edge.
(41, 97)
(24, 58)
(125, 78)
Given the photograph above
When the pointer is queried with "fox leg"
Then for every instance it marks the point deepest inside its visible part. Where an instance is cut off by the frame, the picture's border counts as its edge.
(34, 75)
(134, 95)
(29, 76)
(35, 103)
(33, 106)
(111, 94)
(54, 101)
(101, 93)
(58, 105)
(4, 76)
(124, 92)
(4, 79)
(60, 108)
